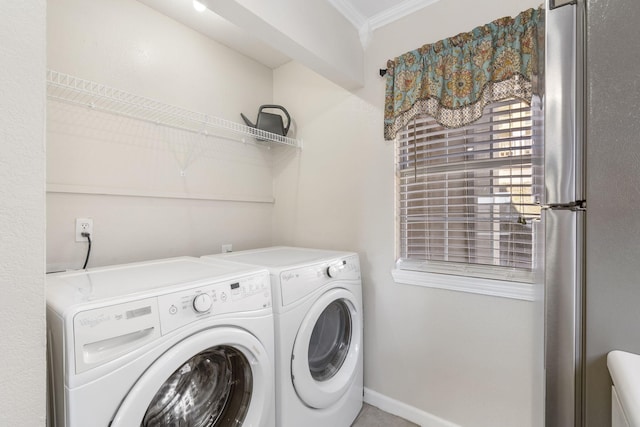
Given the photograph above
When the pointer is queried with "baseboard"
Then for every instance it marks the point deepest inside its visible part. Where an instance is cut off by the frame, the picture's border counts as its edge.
(408, 412)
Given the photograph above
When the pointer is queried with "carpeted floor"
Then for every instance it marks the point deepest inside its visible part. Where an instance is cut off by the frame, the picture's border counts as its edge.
(370, 416)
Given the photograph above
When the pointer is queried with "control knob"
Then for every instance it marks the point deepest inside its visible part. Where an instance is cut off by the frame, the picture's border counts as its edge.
(202, 303)
(334, 270)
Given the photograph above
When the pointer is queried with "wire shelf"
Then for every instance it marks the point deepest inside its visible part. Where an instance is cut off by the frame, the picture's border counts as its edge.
(74, 90)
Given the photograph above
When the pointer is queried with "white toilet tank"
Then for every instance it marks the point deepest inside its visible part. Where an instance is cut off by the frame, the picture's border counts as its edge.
(625, 394)
(618, 418)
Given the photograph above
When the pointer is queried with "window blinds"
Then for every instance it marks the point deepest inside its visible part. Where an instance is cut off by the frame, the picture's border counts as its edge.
(465, 194)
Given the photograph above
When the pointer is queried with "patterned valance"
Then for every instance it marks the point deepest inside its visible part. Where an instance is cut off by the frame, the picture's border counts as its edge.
(452, 80)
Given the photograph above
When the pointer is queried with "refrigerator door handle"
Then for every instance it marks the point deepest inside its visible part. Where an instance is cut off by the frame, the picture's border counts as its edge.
(559, 3)
(577, 206)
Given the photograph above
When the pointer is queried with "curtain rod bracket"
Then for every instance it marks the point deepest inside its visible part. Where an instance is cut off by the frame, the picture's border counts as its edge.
(382, 72)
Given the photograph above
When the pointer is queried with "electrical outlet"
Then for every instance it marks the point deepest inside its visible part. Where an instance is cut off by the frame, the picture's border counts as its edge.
(83, 225)
(227, 247)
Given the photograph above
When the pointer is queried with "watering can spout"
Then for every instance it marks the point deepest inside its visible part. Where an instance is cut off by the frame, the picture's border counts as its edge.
(247, 121)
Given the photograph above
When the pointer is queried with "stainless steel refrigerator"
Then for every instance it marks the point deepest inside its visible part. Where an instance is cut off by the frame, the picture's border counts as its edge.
(591, 201)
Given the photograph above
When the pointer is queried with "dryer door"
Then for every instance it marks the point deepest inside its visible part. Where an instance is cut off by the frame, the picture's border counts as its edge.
(327, 349)
(220, 377)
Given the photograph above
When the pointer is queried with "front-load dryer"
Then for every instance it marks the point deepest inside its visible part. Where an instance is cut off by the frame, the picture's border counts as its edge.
(317, 308)
(174, 342)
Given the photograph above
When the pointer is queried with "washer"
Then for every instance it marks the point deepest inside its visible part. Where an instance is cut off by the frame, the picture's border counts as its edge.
(169, 342)
(317, 298)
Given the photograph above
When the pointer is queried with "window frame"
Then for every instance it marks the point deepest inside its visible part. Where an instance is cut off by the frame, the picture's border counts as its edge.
(492, 280)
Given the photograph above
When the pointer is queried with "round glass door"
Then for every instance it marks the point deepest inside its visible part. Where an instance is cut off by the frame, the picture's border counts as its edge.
(327, 350)
(330, 340)
(217, 377)
(213, 388)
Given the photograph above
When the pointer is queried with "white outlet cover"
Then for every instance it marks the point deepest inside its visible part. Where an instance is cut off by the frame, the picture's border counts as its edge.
(83, 225)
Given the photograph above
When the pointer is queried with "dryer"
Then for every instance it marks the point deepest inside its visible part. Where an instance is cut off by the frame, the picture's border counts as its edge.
(317, 308)
(168, 342)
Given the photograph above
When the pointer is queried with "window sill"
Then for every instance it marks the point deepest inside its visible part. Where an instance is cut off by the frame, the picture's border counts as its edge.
(474, 285)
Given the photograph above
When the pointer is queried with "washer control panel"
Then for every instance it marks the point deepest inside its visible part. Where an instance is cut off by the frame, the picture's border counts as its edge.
(105, 333)
(243, 294)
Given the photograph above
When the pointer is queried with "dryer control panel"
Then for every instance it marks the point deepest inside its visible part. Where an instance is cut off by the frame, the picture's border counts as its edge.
(244, 294)
(300, 282)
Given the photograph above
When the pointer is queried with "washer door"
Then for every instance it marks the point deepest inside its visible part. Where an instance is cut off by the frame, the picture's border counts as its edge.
(216, 378)
(327, 348)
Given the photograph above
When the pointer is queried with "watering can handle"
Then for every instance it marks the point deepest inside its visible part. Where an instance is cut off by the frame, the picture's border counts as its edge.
(278, 107)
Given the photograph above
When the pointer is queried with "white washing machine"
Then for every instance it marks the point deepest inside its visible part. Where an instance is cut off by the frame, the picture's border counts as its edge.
(174, 342)
(317, 308)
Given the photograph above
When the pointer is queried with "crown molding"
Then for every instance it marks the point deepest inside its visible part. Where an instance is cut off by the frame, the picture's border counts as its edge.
(366, 26)
(403, 9)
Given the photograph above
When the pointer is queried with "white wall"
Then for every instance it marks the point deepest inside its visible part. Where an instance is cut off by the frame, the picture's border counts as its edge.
(467, 359)
(151, 191)
(22, 211)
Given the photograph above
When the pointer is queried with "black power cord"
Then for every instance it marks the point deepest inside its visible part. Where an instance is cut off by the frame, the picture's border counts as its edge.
(88, 236)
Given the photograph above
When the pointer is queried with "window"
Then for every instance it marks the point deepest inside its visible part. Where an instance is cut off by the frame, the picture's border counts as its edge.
(465, 196)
